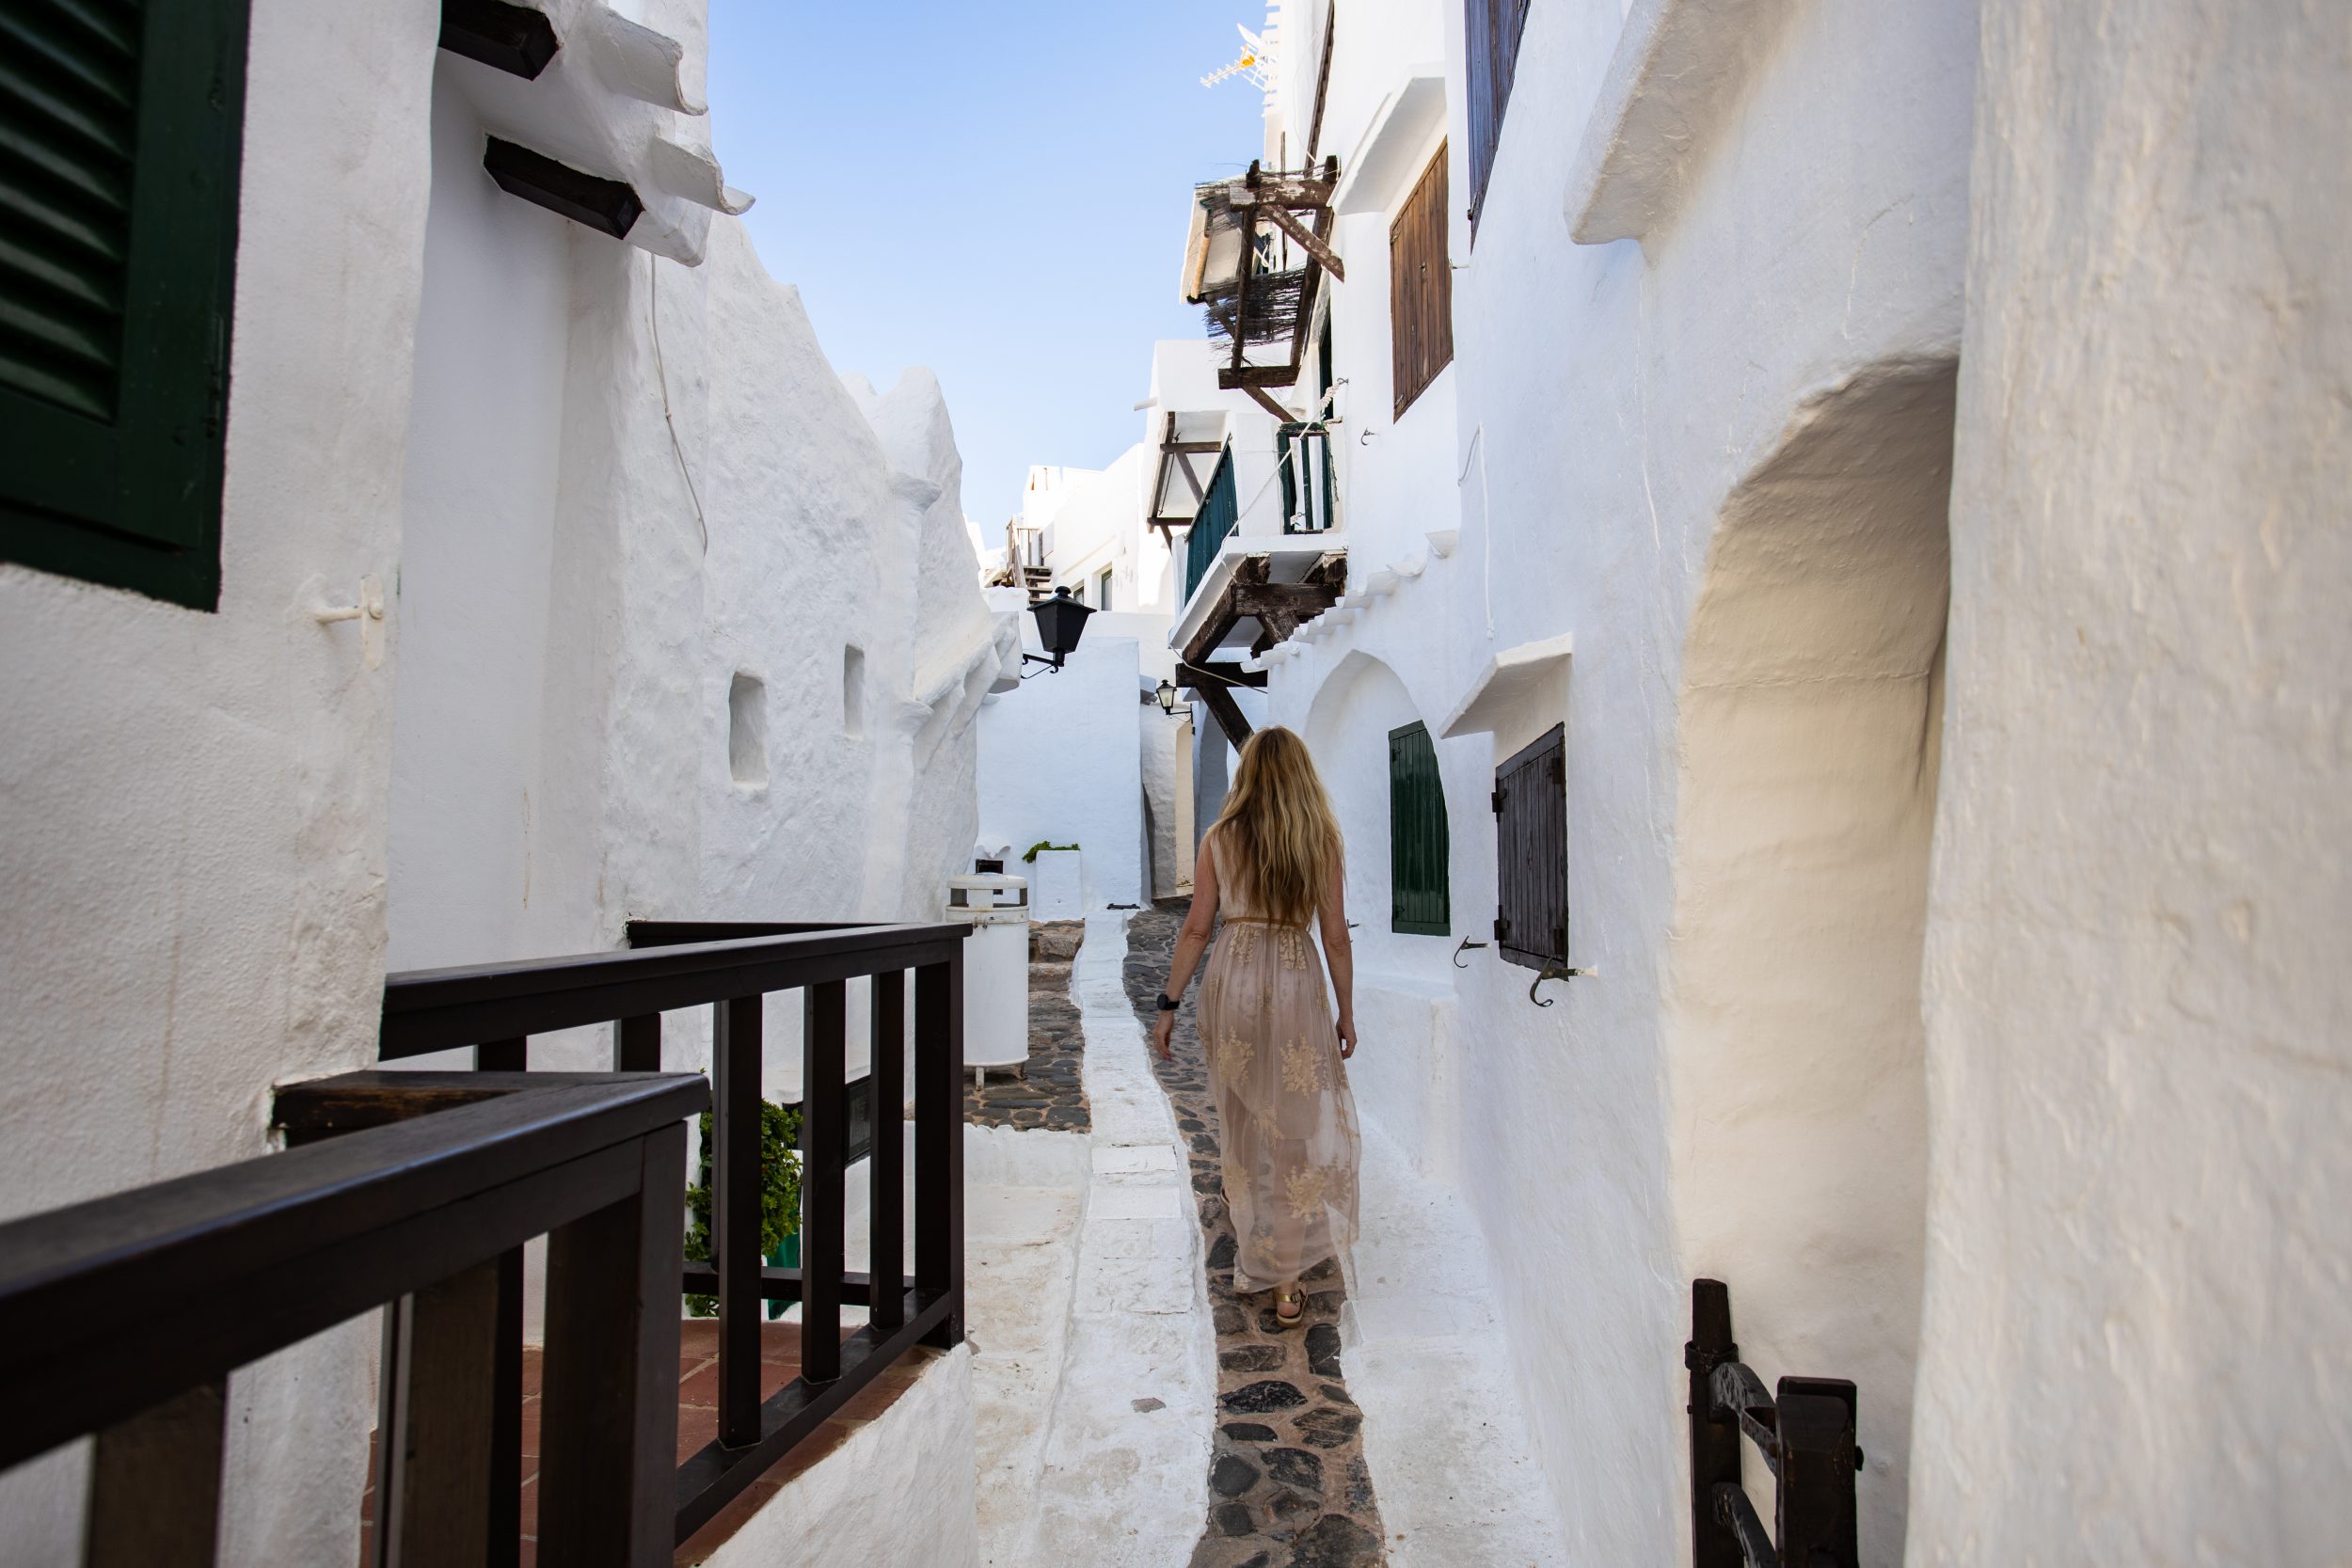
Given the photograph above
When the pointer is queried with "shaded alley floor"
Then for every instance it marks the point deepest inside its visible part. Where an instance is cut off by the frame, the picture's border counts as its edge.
(1286, 1470)
(1132, 1410)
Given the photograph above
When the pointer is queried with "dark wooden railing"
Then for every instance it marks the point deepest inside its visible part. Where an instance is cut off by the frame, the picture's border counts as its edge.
(731, 967)
(1806, 1433)
(126, 1315)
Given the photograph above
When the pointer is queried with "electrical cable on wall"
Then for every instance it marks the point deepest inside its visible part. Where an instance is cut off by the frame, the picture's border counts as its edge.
(1291, 457)
(662, 374)
(1486, 521)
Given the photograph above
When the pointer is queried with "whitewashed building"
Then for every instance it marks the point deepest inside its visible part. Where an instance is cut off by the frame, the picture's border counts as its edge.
(511, 566)
(1072, 760)
(1837, 510)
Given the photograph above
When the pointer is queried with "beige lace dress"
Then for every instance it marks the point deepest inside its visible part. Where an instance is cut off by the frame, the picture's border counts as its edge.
(1287, 1121)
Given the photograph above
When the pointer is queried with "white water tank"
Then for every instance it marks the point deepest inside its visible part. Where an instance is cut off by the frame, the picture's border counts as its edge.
(995, 967)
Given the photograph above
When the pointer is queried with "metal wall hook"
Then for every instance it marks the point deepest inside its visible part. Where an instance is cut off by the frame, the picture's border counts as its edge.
(1553, 972)
(1457, 952)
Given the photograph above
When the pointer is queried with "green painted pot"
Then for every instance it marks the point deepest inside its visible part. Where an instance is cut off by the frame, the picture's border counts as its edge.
(787, 1256)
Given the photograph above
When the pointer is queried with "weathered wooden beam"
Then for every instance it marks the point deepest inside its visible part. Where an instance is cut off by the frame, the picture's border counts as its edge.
(1257, 375)
(1219, 700)
(1189, 674)
(154, 1484)
(1312, 244)
(1200, 496)
(1266, 401)
(1287, 190)
(1281, 606)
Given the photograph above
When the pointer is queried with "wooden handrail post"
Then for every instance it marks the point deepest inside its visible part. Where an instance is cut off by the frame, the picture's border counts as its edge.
(439, 1476)
(154, 1484)
(735, 1058)
(886, 1255)
(607, 1479)
(637, 1043)
(939, 1141)
(512, 1054)
(823, 1192)
(1714, 1441)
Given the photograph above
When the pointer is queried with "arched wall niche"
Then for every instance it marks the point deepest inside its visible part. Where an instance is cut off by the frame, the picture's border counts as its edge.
(1408, 1084)
(1347, 730)
(1810, 717)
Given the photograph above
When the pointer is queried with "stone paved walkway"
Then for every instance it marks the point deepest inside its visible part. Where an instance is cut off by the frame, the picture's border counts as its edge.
(1288, 1486)
(1050, 1091)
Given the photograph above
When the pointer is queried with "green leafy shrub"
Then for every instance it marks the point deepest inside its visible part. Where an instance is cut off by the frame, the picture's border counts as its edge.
(1030, 859)
(779, 1192)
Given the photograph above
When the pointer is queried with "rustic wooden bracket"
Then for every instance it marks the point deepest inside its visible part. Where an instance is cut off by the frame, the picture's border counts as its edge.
(1312, 244)
(1266, 401)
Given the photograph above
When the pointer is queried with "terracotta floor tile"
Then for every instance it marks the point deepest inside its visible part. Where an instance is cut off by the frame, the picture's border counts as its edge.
(698, 1425)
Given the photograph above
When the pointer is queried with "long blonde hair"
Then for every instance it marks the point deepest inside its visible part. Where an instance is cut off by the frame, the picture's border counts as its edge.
(1278, 822)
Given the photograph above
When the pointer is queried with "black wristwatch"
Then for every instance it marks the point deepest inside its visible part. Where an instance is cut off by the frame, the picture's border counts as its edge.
(1168, 1006)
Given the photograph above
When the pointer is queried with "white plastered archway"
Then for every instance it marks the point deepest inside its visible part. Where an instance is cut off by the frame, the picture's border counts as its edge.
(1810, 719)
(1410, 1085)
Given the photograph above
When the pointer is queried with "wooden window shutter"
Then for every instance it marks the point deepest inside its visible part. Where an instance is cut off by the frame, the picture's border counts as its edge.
(1419, 859)
(120, 132)
(1531, 853)
(1421, 288)
(1491, 30)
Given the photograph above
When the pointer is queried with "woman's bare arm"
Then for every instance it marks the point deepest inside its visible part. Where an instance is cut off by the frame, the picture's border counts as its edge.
(1338, 954)
(1192, 939)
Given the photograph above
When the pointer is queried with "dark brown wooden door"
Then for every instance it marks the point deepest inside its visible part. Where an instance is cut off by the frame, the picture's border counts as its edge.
(1530, 804)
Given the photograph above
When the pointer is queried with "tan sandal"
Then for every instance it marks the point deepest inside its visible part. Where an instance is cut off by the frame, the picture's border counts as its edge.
(1293, 1298)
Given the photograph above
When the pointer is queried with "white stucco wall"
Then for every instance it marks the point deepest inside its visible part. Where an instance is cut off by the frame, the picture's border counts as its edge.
(567, 764)
(194, 804)
(2137, 1006)
(1061, 759)
(898, 1489)
(1603, 404)
(205, 809)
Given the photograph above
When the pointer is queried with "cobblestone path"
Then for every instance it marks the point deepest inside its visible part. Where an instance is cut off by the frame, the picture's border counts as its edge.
(1287, 1482)
(1050, 1091)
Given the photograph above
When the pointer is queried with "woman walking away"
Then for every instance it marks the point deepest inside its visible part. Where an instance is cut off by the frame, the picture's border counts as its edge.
(1272, 862)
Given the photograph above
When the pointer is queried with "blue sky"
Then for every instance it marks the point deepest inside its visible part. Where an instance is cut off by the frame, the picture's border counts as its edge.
(995, 191)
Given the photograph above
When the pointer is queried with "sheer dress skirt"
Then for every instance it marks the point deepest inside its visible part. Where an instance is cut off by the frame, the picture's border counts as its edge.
(1287, 1121)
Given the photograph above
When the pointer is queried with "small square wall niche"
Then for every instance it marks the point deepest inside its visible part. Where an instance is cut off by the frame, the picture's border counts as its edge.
(747, 730)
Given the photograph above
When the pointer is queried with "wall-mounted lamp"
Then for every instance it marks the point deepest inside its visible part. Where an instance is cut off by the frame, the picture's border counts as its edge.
(1166, 692)
(1061, 622)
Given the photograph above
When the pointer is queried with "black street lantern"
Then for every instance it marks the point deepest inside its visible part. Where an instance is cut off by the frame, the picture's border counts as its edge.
(1166, 692)
(1061, 622)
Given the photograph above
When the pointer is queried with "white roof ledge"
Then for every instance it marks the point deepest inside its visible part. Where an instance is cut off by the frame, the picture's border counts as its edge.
(1510, 678)
(645, 65)
(1678, 68)
(1384, 163)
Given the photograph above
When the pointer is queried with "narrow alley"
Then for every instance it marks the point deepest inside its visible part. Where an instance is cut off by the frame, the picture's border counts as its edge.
(634, 625)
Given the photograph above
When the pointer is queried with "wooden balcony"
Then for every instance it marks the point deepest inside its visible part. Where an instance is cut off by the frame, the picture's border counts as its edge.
(414, 1192)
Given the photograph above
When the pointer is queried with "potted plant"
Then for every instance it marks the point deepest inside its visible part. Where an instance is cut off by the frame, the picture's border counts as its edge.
(779, 1199)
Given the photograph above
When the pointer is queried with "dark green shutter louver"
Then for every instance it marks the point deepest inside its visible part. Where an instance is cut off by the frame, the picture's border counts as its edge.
(121, 125)
(1303, 457)
(1420, 861)
(1219, 510)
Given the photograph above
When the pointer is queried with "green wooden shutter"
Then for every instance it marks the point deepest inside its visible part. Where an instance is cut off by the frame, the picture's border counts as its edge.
(121, 127)
(1418, 857)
